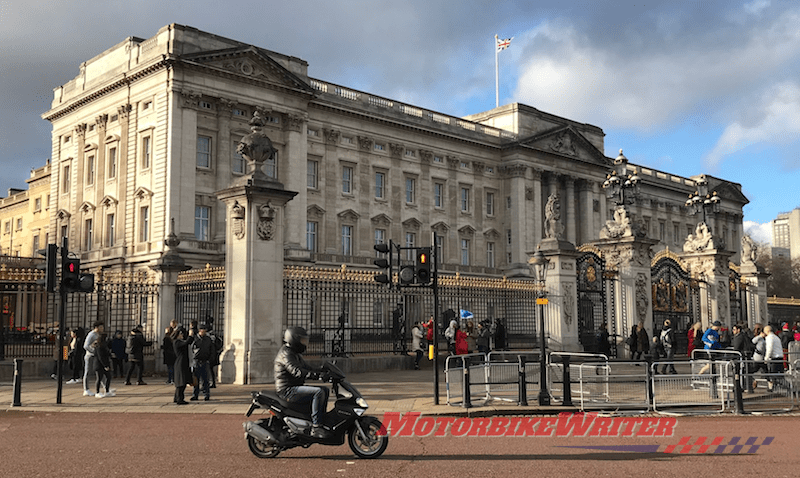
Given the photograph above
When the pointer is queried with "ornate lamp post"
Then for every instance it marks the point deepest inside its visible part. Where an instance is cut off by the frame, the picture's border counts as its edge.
(702, 201)
(539, 262)
(621, 186)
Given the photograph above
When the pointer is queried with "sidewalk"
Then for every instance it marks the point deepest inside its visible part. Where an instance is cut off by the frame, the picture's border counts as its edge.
(391, 391)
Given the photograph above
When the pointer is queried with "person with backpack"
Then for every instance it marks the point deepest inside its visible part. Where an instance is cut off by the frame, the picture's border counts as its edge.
(667, 342)
(135, 349)
(202, 350)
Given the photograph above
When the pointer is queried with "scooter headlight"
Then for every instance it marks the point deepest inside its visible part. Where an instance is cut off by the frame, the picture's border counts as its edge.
(361, 402)
(359, 411)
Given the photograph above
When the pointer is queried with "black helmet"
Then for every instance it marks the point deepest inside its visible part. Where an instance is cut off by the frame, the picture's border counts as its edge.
(296, 338)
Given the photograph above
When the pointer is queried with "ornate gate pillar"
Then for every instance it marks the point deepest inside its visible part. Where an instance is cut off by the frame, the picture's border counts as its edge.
(254, 253)
(627, 250)
(708, 262)
(755, 279)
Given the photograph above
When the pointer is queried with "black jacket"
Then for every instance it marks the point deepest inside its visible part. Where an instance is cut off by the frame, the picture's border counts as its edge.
(135, 347)
(202, 348)
(290, 369)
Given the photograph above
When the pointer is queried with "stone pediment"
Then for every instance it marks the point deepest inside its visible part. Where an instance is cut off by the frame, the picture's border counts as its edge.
(249, 62)
(381, 220)
(729, 191)
(86, 207)
(315, 212)
(440, 227)
(566, 141)
(467, 230)
(491, 234)
(412, 223)
(349, 215)
(142, 193)
(108, 201)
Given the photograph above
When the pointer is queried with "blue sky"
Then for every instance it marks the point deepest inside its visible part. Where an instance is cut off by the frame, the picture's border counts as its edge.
(687, 87)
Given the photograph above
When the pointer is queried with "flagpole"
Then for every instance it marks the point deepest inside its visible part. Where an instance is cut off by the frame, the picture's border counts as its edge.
(496, 76)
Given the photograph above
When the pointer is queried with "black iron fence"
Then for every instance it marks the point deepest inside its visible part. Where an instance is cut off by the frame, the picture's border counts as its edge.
(200, 296)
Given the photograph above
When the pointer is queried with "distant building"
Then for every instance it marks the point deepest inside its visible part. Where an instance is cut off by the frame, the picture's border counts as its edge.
(24, 216)
(786, 234)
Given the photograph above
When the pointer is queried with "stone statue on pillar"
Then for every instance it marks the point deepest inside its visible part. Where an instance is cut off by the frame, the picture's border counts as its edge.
(256, 148)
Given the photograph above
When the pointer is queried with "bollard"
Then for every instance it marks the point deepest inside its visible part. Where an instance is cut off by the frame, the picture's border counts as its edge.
(737, 391)
(467, 403)
(567, 402)
(17, 382)
(523, 390)
(649, 380)
(712, 388)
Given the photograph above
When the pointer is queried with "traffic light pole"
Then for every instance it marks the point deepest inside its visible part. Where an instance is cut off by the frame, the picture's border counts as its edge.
(62, 292)
(435, 320)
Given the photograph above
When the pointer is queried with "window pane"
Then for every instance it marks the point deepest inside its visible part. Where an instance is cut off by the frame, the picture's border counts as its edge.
(347, 238)
(201, 222)
(410, 190)
(347, 179)
(311, 178)
(379, 185)
(203, 152)
(311, 236)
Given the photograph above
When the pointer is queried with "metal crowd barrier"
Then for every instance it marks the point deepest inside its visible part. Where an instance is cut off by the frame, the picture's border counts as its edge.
(503, 374)
(766, 391)
(458, 378)
(569, 363)
(613, 386)
(691, 392)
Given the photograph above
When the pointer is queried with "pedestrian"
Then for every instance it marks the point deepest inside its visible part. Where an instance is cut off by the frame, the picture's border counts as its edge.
(742, 344)
(118, 355)
(103, 368)
(214, 362)
(472, 335)
(654, 354)
(695, 336)
(603, 345)
(76, 353)
(180, 344)
(90, 362)
(639, 341)
(168, 352)
(667, 344)
(482, 341)
(58, 355)
(786, 337)
(711, 342)
(429, 330)
(773, 357)
(461, 342)
(416, 343)
(450, 335)
(134, 347)
(202, 349)
(500, 335)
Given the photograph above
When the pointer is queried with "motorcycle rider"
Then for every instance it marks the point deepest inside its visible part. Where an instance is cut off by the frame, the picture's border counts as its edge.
(291, 371)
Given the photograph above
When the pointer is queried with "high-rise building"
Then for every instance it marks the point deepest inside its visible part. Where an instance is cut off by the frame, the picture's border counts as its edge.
(786, 233)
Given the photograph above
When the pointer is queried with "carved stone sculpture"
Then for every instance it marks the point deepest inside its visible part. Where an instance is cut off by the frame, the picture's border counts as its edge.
(256, 148)
(701, 240)
(237, 220)
(552, 218)
(749, 249)
(266, 221)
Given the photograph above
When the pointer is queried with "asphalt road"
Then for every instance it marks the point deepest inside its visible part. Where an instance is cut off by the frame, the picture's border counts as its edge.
(165, 445)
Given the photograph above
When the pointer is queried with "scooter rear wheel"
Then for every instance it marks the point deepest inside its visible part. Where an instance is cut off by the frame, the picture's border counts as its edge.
(374, 445)
(261, 449)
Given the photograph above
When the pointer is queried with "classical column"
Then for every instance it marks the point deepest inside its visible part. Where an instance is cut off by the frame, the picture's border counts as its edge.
(254, 253)
(295, 171)
(571, 211)
(536, 208)
(587, 206)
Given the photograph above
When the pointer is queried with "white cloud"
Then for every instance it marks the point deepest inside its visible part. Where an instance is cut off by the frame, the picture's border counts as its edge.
(776, 119)
(761, 233)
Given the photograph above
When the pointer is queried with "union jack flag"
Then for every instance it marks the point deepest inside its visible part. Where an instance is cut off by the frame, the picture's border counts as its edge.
(503, 44)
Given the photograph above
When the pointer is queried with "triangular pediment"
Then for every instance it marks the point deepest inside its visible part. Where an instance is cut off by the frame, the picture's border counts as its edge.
(441, 227)
(108, 201)
(729, 191)
(412, 223)
(142, 193)
(566, 141)
(86, 207)
(315, 212)
(491, 234)
(248, 62)
(348, 215)
(467, 230)
(63, 214)
(381, 220)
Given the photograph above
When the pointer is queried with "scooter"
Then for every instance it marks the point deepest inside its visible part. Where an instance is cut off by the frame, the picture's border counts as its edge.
(288, 425)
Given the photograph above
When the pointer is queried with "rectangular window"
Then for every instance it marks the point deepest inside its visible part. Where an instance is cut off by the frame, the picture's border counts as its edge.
(464, 252)
(311, 174)
(380, 185)
(662, 231)
(110, 230)
(237, 162)
(146, 151)
(112, 163)
(271, 166)
(202, 217)
(410, 193)
(347, 179)
(37, 204)
(438, 195)
(144, 224)
(8, 227)
(347, 240)
(380, 238)
(490, 204)
(439, 240)
(90, 170)
(508, 202)
(465, 199)
(35, 245)
(675, 233)
(64, 231)
(437, 159)
(490, 254)
(411, 240)
(311, 236)
(88, 235)
(204, 152)
(19, 224)
(65, 181)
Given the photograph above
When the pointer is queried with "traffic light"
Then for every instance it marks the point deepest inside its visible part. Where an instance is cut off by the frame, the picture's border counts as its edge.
(384, 263)
(407, 275)
(71, 274)
(423, 266)
(49, 267)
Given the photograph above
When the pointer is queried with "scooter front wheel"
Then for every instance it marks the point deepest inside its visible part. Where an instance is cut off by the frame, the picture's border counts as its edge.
(374, 441)
(261, 449)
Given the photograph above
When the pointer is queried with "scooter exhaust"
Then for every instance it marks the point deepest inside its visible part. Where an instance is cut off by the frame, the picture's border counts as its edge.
(259, 433)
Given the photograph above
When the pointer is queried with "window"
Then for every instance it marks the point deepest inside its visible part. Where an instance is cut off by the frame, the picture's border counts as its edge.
(508, 202)
(411, 240)
(508, 236)
(380, 185)
(146, 151)
(88, 235)
(347, 240)
(112, 162)
(146, 105)
(237, 161)
(64, 230)
(347, 140)
(204, 152)
(379, 147)
(438, 195)
(410, 187)
(65, 181)
(675, 232)
(110, 230)
(313, 132)
(490, 204)
(380, 238)
(19, 223)
(202, 215)
(311, 174)
(311, 236)
(90, 170)
(37, 204)
(490, 254)
(347, 179)
(410, 153)
(206, 105)
(439, 241)
(662, 231)
(238, 112)
(8, 227)
(464, 252)
(144, 224)
(437, 159)
(35, 245)
(465, 199)
(271, 166)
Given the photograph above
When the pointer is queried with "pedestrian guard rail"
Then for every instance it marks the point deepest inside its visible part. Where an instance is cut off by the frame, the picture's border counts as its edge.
(714, 382)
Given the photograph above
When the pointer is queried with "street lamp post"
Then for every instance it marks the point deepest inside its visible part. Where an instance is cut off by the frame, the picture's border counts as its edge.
(621, 186)
(540, 262)
(702, 201)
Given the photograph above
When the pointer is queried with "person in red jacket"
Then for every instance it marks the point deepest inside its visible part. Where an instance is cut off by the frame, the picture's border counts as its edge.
(461, 342)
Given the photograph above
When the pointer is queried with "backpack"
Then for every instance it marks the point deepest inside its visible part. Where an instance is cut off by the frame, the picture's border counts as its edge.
(129, 345)
(666, 339)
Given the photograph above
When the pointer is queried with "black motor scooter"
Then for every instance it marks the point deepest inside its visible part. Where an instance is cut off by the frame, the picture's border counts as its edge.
(289, 424)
